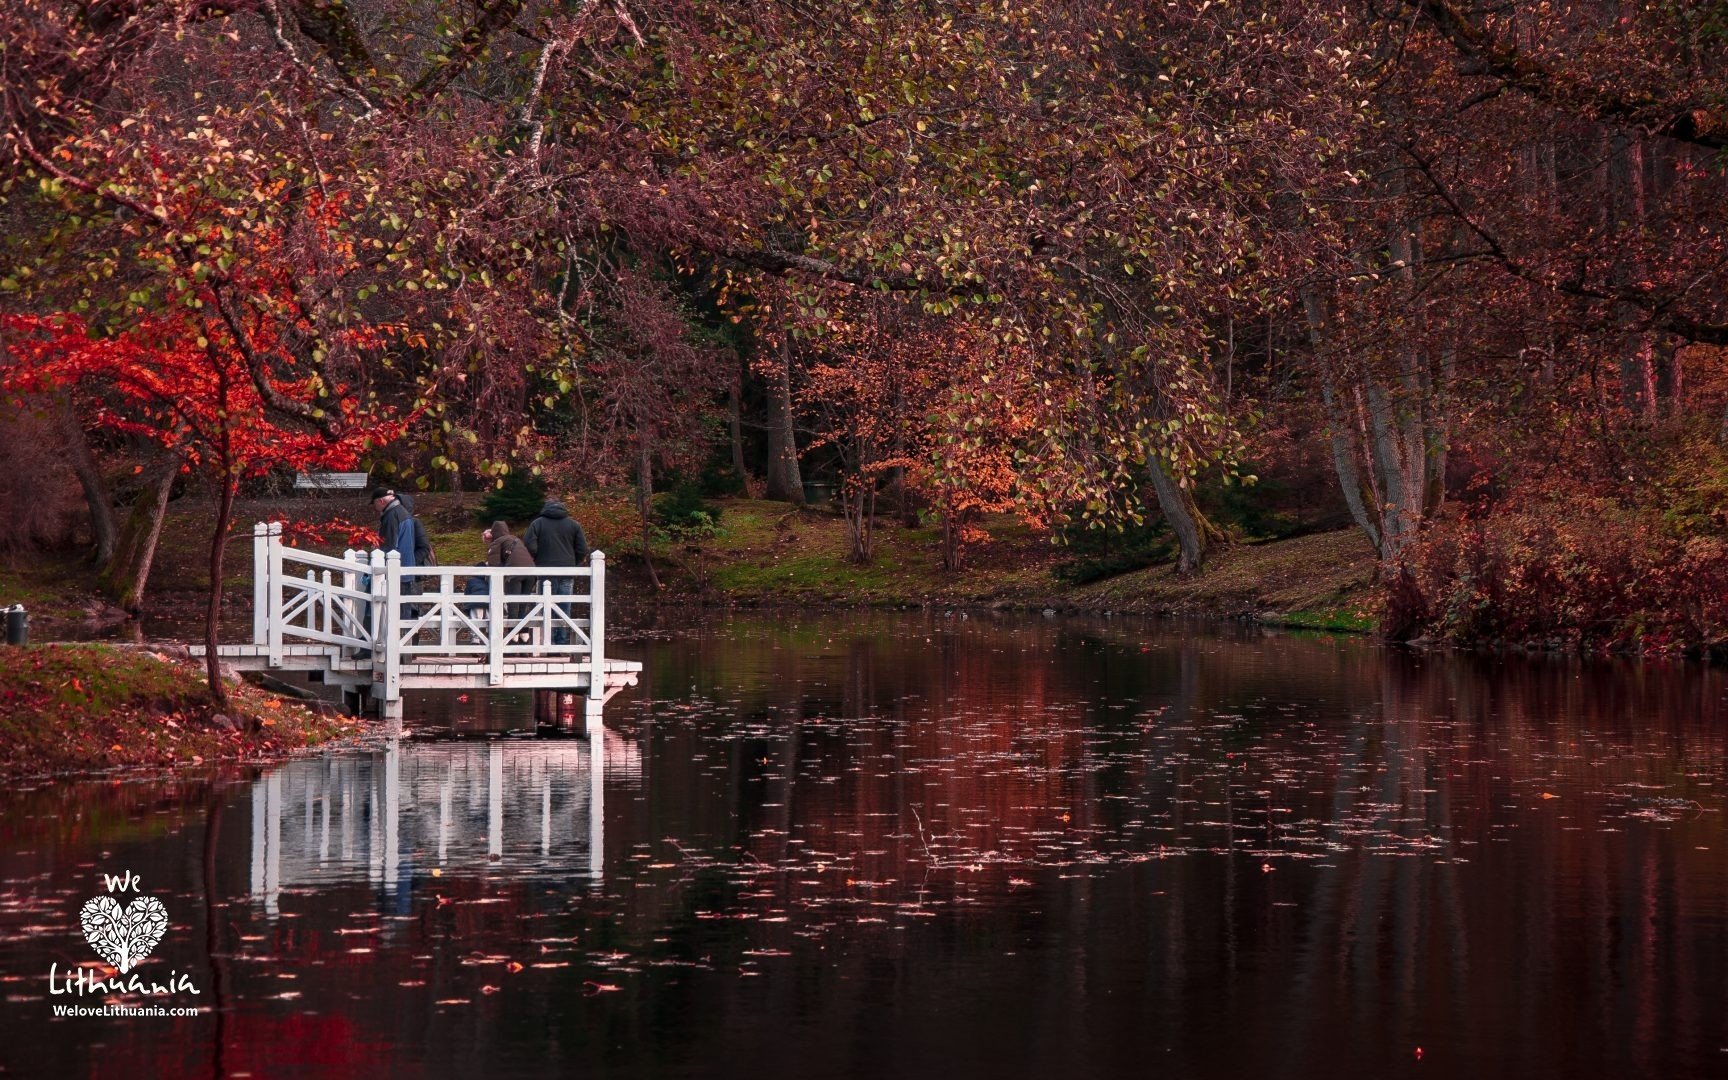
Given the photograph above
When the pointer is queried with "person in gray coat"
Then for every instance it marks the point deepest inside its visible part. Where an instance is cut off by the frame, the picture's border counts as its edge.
(555, 539)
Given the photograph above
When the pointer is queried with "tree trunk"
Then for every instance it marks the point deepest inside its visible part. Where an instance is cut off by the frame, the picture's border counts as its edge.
(1194, 533)
(1344, 462)
(952, 528)
(905, 506)
(859, 501)
(213, 615)
(102, 531)
(735, 422)
(1437, 439)
(124, 578)
(1340, 430)
(645, 505)
(784, 481)
(1401, 452)
(1399, 429)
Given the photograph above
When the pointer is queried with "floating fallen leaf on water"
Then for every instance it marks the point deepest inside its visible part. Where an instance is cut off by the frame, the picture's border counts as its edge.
(1549, 795)
(1265, 868)
(437, 872)
(513, 967)
(488, 989)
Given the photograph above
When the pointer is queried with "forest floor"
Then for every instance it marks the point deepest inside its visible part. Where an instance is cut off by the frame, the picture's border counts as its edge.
(87, 708)
(762, 554)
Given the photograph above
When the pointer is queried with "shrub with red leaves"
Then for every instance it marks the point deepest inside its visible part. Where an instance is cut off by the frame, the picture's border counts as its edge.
(1574, 573)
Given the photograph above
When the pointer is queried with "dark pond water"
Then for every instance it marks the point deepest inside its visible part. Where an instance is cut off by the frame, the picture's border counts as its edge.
(931, 847)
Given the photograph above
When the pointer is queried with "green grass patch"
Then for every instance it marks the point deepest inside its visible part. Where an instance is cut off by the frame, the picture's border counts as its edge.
(1346, 620)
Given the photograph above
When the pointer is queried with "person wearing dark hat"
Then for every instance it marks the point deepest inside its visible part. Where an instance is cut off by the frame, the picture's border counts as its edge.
(395, 528)
(400, 531)
(555, 539)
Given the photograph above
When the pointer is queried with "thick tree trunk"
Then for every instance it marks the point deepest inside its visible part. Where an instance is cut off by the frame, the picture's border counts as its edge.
(102, 530)
(1194, 534)
(124, 578)
(1344, 462)
(1341, 431)
(784, 480)
(1401, 453)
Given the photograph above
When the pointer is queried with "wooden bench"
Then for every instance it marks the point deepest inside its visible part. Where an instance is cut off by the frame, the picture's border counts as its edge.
(331, 481)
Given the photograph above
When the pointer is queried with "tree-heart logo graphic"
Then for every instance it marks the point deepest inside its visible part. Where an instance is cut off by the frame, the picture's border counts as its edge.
(123, 936)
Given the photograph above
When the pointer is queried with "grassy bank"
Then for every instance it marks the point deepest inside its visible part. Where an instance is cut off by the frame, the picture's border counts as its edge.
(766, 553)
(85, 708)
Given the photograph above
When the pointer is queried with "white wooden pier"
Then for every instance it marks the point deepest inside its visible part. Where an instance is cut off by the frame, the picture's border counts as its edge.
(375, 628)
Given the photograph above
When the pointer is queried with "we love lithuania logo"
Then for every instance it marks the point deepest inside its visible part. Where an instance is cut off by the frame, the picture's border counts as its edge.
(123, 934)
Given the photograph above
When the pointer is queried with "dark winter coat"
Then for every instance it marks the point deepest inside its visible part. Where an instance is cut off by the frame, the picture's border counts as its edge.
(505, 549)
(396, 531)
(554, 538)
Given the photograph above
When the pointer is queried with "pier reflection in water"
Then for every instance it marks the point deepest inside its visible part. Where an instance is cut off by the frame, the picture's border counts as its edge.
(921, 846)
(511, 808)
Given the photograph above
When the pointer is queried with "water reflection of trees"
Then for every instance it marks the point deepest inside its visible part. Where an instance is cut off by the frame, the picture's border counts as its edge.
(1465, 831)
(1077, 845)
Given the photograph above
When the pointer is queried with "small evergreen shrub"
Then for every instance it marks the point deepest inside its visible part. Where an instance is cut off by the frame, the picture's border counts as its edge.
(520, 498)
(682, 512)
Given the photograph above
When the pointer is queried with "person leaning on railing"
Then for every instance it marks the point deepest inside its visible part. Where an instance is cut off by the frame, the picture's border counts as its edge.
(503, 549)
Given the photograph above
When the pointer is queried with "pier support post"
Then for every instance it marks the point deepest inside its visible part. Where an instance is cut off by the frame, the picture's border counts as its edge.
(260, 583)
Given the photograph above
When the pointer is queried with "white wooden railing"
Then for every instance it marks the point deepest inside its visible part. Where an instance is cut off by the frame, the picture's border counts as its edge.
(368, 603)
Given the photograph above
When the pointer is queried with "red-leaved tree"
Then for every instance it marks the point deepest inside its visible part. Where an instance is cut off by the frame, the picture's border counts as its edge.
(188, 383)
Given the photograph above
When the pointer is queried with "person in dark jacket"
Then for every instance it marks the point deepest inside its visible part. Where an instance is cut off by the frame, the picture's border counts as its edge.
(555, 539)
(395, 528)
(400, 531)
